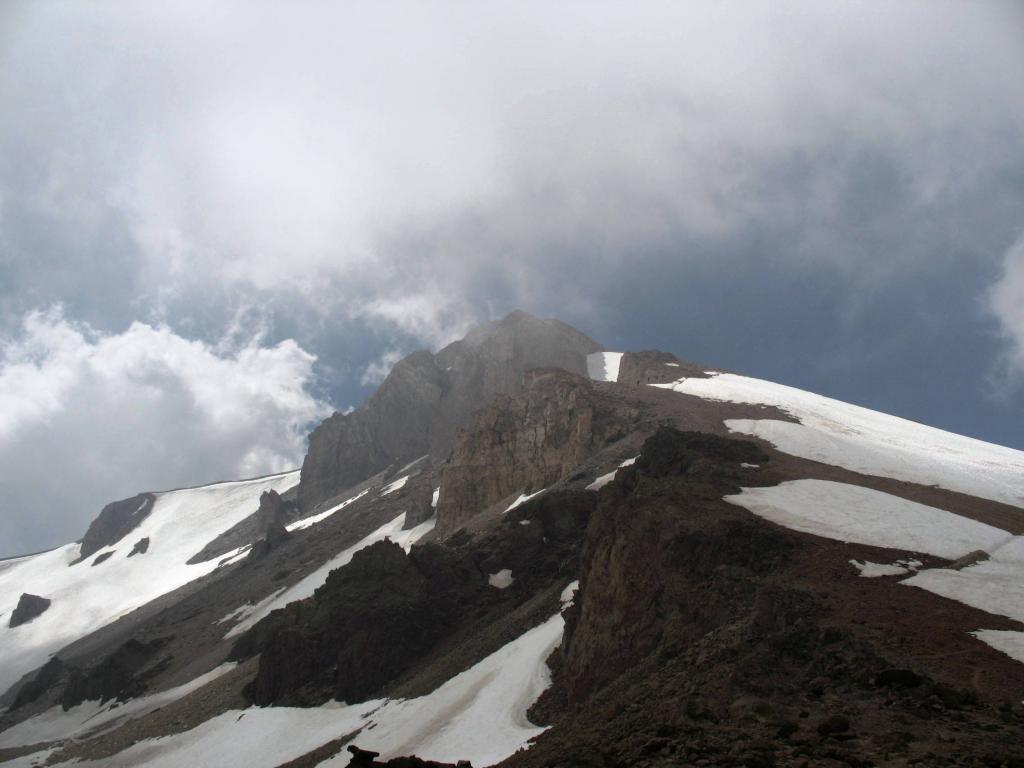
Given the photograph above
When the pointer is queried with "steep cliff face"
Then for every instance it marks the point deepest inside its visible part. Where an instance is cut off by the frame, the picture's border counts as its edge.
(525, 442)
(427, 397)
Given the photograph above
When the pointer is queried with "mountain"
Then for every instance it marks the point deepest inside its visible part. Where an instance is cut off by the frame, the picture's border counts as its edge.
(529, 550)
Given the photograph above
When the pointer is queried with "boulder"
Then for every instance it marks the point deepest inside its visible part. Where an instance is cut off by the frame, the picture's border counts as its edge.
(29, 607)
(115, 521)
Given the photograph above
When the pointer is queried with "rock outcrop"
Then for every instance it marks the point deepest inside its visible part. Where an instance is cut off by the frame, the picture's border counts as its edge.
(426, 398)
(29, 607)
(114, 522)
(141, 547)
(703, 635)
(656, 367)
(525, 442)
(275, 511)
(374, 619)
(121, 676)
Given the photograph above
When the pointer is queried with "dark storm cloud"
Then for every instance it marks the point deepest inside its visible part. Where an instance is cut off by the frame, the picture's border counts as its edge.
(826, 194)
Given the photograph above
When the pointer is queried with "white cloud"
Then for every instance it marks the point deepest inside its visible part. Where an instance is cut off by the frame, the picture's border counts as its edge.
(1006, 303)
(378, 369)
(86, 418)
(390, 161)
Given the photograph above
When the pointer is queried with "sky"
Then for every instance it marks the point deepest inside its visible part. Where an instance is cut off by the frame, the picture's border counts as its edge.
(220, 222)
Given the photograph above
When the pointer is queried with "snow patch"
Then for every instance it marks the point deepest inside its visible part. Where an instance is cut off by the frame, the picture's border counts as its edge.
(435, 497)
(523, 498)
(307, 586)
(396, 485)
(501, 580)
(995, 585)
(865, 516)
(601, 482)
(866, 441)
(568, 596)
(629, 462)
(747, 465)
(306, 522)
(871, 570)
(604, 366)
(1009, 642)
(84, 599)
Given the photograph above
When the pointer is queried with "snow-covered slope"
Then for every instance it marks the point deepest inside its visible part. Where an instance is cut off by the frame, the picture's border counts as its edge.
(478, 715)
(248, 616)
(865, 516)
(867, 441)
(86, 597)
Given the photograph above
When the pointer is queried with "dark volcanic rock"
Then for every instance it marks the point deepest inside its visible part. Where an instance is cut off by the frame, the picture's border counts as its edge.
(51, 674)
(115, 521)
(365, 758)
(525, 442)
(366, 624)
(274, 508)
(141, 547)
(274, 535)
(655, 367)
(121, 676)
(376, 617)
(28, 608)
(703, 635)
(426, 397)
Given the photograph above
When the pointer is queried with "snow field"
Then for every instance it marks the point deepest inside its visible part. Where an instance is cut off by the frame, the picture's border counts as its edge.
(854, 514)
(478, 715)
(866, 441)
(864, 516)
(85, 598)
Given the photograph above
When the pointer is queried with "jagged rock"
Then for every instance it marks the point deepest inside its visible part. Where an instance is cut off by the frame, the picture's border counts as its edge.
(274, 506)
(102, 558)
(29, 607)
(655, 367)
(50, 675)
(115, 521)
(426, 397)
(141, 547)
(367, 623)
(377, 616)
(121, 676)
(365, 758)
(971, 558)
(274, 535)
(525, 441)
(420, 508)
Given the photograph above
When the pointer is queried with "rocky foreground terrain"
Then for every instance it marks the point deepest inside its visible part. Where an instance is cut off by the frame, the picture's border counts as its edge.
(527, 550)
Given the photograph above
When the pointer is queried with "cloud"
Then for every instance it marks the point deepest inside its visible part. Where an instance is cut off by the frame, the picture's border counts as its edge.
(378, 369)
(416, 169)
(1006, 302)
(87, 417)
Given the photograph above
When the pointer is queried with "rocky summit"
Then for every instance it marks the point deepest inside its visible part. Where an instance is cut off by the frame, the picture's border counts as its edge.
(528, 550)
